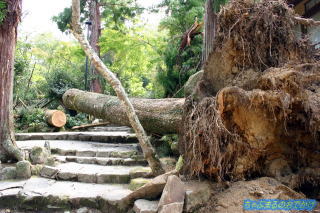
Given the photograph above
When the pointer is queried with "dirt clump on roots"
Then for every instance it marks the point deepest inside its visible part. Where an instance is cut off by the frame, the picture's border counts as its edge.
(256, 111)
(250, 38)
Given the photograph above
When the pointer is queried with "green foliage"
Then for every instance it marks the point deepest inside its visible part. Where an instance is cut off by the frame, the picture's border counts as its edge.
(58, 82)
(31, 120)
(24, 68)
(133, 56)
(217, 4)
(3, 10)
(45, 68)
(166, 145)
(172, 141)
(179, 66)
(77, 120)
(63, 19)
(115, 13)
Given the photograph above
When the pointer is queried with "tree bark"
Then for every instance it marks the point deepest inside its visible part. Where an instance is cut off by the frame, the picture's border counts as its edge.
(145, 144)
(209, 30)
(95, 17)
(162, 116)
(8, 38)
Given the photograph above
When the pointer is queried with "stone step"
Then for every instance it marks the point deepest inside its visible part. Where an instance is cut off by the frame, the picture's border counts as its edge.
(46, 195)
(102, 137)
(83, 149)
(102, 161)
(90, 173)
(111, 129)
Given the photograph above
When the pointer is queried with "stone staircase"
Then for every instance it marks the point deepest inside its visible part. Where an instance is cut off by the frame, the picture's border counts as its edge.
(92, 169)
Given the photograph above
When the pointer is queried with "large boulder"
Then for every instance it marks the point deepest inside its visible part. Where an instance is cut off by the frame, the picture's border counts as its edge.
(173, 195)
(191, 84)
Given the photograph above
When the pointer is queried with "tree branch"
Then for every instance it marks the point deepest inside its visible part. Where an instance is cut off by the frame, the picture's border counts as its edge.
(307, 22)
(144, 142)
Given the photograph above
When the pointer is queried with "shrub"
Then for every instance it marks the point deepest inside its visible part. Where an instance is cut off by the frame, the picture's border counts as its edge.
(31, 120)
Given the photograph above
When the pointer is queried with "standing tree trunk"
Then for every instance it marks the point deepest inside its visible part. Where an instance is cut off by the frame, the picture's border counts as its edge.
(145, 144)
(95, 17)
(8, 38)
(209, 30)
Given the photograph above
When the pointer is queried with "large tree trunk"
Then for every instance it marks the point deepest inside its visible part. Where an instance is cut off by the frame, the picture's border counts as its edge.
(161, 116)
(145, 144)
(209, 30)
(95, 17)
(8, 37)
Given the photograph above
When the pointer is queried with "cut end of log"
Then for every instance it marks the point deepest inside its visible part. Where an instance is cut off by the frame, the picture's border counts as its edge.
(56, 118)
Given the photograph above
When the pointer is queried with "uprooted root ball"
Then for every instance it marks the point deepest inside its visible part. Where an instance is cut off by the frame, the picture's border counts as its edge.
(263, 34)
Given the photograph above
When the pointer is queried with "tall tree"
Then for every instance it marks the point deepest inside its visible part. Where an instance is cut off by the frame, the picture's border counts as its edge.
(11, 14)
(95, 18)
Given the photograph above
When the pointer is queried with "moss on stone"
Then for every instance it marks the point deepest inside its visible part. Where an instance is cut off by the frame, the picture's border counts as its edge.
(180, 163)
(140, 172)
(23, 169)
(39, 155)
(137, 183)
(8, 173)
(50, 161)
(36, 169)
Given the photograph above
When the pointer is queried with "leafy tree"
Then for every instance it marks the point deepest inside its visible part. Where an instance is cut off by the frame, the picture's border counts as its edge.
(114, 14)
(45, 68)
(133, 56)
(3, 10)
(180, 65)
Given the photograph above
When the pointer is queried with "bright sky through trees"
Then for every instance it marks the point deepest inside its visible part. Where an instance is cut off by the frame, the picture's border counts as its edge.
(37, 16)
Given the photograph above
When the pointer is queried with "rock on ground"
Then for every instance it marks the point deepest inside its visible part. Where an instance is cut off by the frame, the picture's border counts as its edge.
(39, 155)
(152, 189)
(231, 199)
(198, 193)
(173, 195)
(145, 206)
(191, 84)
(8, 173)
(23, 169)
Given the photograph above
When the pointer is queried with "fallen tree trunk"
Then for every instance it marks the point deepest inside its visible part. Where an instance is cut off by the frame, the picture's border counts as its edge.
(56, 118)
(161, 116)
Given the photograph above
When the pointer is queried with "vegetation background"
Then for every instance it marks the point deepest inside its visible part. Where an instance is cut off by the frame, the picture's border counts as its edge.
(147, 61)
